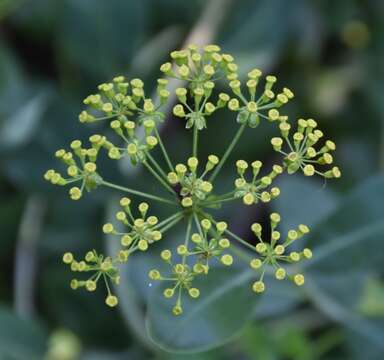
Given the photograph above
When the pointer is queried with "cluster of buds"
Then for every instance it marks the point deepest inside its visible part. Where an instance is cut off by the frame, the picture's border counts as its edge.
(255, 190)
(196, 114)
(101, 267)
(266, 106)
(206, 248)
(302, 154)
(136, 148)
(273, 253)
(142, 230)
(200, 71)
(83, 170)
(194, 189)
(181, 279)
(121, 99)
(197, 68)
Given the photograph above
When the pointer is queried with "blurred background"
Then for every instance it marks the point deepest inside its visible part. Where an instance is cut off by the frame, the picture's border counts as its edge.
(54, 53)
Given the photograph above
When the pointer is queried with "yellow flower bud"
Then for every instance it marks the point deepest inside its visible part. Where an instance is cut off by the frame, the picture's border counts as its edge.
(279, 250)
(299, 279)
(258, 287)
(111, 300)
(227, 259)
(280, 274)
(255, 264)
(194, 293)
(248, 199)
(67, 258)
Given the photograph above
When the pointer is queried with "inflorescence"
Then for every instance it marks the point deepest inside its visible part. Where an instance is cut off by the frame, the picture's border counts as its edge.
(134, 120)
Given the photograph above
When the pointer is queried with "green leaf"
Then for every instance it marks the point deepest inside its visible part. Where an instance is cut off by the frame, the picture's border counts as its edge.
(21, 125)
(20, 339)
(91, 34)
(224, 307)
(349, 252)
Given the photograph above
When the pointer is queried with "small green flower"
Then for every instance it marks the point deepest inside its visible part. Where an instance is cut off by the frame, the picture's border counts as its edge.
(194, 189)
(256, 190)
(142, 230)
(301, 151)
(250, 109)
(274, 252)
(104, 268)
(180, 280)
(206, 248)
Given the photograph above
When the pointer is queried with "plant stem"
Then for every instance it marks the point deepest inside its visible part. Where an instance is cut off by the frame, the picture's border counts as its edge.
(187, 236)
(157, 166)
(195, 140)
(139, 193)
(164, 151)
(170, 224)
(239, 239)
(158, 177)
(167, 220)
(228, 152)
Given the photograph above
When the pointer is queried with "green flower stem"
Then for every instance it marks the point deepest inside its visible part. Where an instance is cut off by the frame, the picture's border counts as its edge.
(158, 177)
(157, 166)
(195, 140)
(167, 220)
(218, 201)
(164, 151)
(187, 236)
(139, 193)
(239, 239)
(170, 225)
(228, 152)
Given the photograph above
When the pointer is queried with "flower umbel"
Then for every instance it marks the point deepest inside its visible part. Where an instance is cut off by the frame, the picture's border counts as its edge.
(274, 252)
(190, 189)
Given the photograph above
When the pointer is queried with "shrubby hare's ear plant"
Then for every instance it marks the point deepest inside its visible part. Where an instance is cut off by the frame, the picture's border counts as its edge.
(135, 119)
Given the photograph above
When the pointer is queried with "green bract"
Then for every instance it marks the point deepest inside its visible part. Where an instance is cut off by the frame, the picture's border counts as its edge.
(135, 120)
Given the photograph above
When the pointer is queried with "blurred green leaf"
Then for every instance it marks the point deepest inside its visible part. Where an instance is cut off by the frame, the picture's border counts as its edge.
(303, 201)
(20, 339)
(21, 125)
(99, 37)
(372, 301)
(350, 251)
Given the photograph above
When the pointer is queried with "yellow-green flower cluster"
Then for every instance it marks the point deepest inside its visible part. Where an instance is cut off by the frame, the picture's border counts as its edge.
(81, 167)
(136, 148)
(134, 118)
(194, 188)
(200, 71)
(206, 248)
(250, 109)
(180, 280)
(121, 99)
(255, 190)
(142, 231)
(197, 67)
(301, 152)
(274, 252)
(102, 268)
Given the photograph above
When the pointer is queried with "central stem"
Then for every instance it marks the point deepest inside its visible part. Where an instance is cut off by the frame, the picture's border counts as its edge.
(139, 193)
(195, 140)
(235, 140)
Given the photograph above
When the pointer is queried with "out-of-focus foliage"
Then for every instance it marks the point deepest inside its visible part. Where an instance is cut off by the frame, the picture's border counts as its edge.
(53, 53)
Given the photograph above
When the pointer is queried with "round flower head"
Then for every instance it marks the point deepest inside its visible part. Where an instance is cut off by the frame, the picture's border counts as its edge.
(190, 192)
